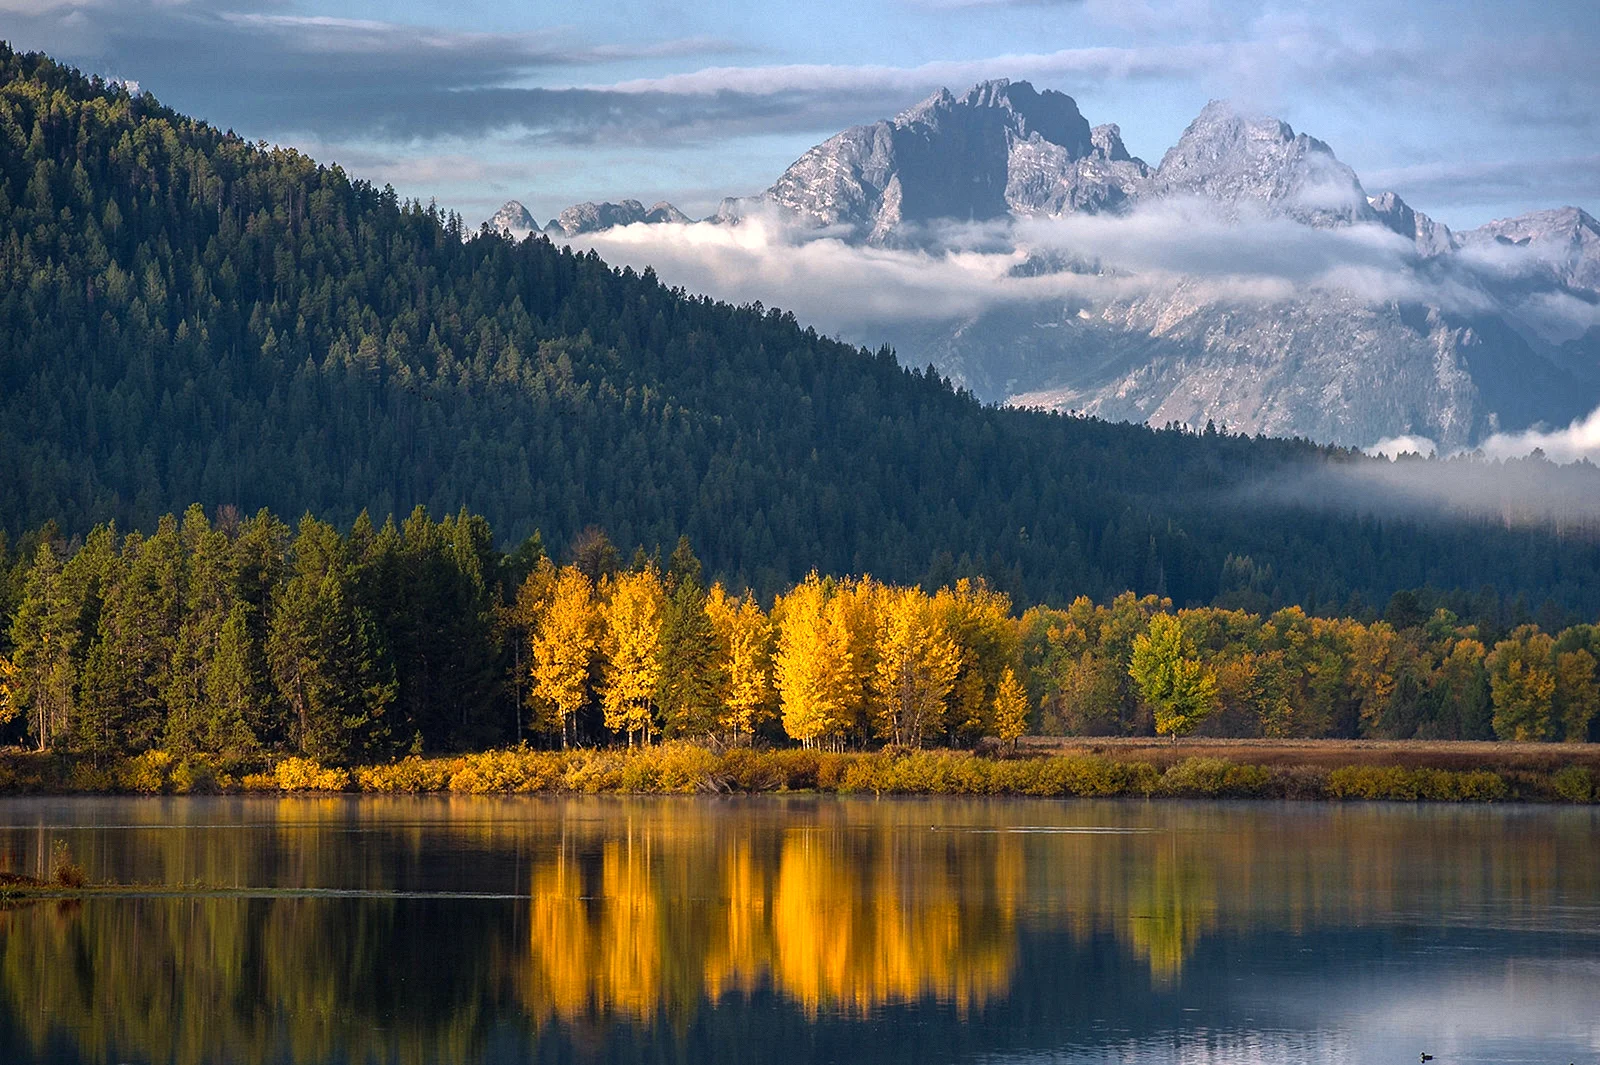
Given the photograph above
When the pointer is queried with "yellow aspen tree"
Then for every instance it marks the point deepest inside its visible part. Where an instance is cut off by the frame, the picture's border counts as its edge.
(564, 647)
(8, 687)
(633, 644)
(1010, 708)
(980, 622)
(521, 624)
(744, 638)
(856, 609)
(812, 667)
(917, 662)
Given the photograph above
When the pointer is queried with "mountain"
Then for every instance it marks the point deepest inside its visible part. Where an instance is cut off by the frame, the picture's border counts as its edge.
(594, 217)
(1239, 160)
(208, 319)
(1000, 150)
(514, 221)
(1452, 336)
(1431, 238)
(1565, 243)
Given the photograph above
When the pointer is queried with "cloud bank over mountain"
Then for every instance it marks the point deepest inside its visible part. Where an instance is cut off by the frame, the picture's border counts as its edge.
(1249, 278)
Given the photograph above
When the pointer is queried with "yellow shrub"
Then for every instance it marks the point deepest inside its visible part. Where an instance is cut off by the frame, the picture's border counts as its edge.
(410, 774)
(196, 774)
(306, 774)
(1215, 777)
(147, 773)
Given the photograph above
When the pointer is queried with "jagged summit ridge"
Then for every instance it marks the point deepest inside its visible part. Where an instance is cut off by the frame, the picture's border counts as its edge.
(594, 217)
(514, 220)
(1567, 238)
(1237, 159)
(1001, 149)
(1431, 238)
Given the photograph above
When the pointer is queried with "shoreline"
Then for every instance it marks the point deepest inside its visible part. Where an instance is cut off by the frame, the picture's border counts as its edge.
(1042, 767)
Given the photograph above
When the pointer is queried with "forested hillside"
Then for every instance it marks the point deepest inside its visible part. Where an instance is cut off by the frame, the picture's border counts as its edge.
(186, 316)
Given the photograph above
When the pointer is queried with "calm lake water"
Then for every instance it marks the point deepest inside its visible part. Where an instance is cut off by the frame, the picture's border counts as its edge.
(804, 930)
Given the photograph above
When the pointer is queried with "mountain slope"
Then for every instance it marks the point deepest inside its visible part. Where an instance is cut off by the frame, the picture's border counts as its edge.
(185, 316)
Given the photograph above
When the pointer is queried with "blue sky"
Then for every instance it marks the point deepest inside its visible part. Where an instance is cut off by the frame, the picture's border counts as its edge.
(1471, 110)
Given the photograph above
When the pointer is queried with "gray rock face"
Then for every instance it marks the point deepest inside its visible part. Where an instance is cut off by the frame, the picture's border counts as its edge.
(1566, 240)
(595, 217)
(514, 220)
(1431, 238)
(1001, 150)
(1237, 160)
(1326, 366)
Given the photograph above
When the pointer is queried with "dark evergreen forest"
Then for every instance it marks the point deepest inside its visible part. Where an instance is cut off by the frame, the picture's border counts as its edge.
(186, 316)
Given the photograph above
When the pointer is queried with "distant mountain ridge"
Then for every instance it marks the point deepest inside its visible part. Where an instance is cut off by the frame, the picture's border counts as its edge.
(1321, 364)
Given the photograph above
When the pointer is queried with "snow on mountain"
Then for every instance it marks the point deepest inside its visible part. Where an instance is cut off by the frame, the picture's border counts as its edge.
(1452, 336)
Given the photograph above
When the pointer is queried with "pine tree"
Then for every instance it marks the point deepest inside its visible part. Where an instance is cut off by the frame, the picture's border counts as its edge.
(45, 674)
(691, 684)
(236, 688)
(327, 656)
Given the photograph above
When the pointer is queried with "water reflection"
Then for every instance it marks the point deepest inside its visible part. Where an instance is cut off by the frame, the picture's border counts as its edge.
(798, 930)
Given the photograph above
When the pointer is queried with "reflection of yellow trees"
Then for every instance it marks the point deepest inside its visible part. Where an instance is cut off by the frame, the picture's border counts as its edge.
(610, 964)
(1171, 900)
(855, 937)
(833, 921)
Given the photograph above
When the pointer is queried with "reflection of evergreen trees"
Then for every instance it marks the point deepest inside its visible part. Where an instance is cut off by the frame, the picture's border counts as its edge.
(186, 316)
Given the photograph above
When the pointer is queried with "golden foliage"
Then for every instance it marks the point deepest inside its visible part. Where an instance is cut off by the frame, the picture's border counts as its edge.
(745, 637)
(10, 705)
(813, 666)
(565, 644)
(1010, 708)
(917, 662)
(633, 616)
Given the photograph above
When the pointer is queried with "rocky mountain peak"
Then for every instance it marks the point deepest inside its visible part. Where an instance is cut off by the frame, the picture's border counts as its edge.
(594, 217)
(513, 220)
(1107, 141)
(1000, 149)
(1240, 159)
(1566, 239)
(1431, 238)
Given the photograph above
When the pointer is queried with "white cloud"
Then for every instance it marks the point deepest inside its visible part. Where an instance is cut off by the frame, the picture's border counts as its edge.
(854, 289)
(1392, 447)
(1579, 440)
